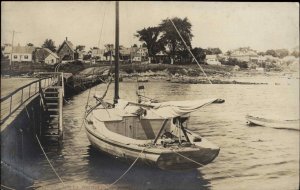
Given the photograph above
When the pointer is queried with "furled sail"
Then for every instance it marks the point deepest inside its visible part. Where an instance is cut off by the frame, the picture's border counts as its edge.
(168, 109)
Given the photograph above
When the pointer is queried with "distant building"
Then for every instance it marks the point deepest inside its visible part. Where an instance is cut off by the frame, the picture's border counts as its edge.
(244, 54)
(6, 50)
(79, 54)
(66, 51)
(161, 57)
(260, 69)
(222, 56)
(98, 54)
(19, 53)
(44, 55)
(212, 60)
(140, 55)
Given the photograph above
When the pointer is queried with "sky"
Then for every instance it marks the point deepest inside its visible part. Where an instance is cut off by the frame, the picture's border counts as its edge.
(261, 26)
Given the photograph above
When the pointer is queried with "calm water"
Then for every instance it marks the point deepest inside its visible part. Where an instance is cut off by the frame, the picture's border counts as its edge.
(250, 157)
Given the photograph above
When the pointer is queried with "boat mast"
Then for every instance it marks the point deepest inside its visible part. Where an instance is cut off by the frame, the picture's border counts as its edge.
(117, 55)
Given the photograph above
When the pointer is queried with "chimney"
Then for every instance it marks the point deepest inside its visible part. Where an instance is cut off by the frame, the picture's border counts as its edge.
(66, 38)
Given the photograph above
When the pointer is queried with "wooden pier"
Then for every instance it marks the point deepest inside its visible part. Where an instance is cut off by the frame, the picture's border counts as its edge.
(51, 90)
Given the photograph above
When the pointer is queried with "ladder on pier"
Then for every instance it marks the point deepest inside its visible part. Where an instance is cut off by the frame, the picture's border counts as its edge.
(53, 124)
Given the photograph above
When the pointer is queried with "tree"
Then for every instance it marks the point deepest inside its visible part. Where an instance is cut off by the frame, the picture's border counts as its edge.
(199, 53)
(109, 52)
(109, 47)
(234, 61)
(271, 52)
(261, 53)
(228, 53)
(150, 37)
(295, 53)
(80, 47)
(49, 44)
(213, 51)
(282, 52)
(30, 44)
(170, 36)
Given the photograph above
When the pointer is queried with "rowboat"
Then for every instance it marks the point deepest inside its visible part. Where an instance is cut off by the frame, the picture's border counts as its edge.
(273, 123)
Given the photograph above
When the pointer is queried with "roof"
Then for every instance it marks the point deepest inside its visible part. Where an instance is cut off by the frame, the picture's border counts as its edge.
(161, 53)
(71, 46)
(19, 49)
(43, 53)
(52, 53)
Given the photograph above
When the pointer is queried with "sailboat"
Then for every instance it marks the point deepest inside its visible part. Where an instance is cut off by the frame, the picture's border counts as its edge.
(154, 132)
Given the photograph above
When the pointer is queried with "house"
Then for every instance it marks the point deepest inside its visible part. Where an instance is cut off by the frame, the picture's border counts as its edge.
(260, 69)
(212, 60)
(126, 53)
(66, 51)
(6, 49)
(261, 59)
(44, 55)
(244, 54)
(19, 53)
(98, 54)
(223, 56)
(140, 55)
(161, 57)
(79, 54)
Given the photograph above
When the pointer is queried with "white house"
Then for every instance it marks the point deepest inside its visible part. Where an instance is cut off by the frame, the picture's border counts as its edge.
(45, 55)
(212, 60)
(244, 54)
(140, 55)
(260, 69)
(52, 58)
(19, 53)
(99, 53)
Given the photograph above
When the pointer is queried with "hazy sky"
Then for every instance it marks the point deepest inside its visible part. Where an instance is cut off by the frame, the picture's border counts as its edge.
(261, 26)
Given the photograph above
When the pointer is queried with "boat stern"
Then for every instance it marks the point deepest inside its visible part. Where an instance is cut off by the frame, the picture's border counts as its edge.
(185, 160)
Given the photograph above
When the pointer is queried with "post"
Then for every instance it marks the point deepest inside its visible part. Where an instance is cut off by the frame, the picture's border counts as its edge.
(160, 131)
(29, 91)
(35, 87)
(22, 96)
(40, 86)
(60, 103)
(10, 104)
(117, 55)
(12, 46)
(63, 84)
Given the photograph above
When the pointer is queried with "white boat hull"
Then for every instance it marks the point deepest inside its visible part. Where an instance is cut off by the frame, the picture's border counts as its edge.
(159, 156)
(278, 124)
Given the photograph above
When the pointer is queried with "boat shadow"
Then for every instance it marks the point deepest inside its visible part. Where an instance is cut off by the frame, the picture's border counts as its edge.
(106, 169)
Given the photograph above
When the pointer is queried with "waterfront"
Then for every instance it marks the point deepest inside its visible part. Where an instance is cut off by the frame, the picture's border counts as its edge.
(250, 157)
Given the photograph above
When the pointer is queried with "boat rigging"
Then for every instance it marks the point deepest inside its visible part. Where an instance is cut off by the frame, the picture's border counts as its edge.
(155, 132)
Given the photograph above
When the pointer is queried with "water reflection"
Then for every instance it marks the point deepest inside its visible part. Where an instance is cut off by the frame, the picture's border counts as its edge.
(106, 169)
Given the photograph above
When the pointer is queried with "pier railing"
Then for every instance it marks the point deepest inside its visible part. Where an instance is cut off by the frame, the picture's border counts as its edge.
(14, 100)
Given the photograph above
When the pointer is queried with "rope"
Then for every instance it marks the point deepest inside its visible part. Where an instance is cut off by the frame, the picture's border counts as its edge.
(190, 52)
(7, 187)
(48, 160)
(126, 170)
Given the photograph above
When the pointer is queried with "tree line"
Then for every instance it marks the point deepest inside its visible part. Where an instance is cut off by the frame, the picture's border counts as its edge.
(164, 38)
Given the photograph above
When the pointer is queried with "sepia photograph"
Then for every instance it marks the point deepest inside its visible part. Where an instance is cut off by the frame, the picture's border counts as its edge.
(149, 95)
